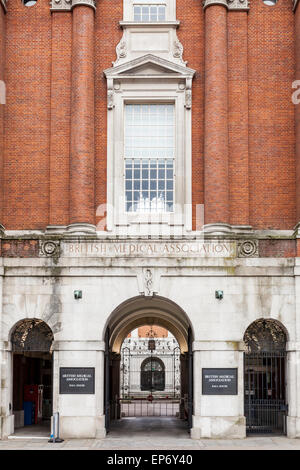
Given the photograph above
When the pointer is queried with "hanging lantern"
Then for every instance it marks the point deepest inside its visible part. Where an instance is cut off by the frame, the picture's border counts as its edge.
(151, 345)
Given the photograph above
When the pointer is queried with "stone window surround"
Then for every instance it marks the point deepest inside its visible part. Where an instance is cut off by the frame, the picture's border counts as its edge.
(145, 88)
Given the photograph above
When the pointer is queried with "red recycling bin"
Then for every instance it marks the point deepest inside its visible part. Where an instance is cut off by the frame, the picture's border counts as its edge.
(34, 393)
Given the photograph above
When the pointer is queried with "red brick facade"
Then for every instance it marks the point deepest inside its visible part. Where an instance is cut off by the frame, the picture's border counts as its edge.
(243, 138)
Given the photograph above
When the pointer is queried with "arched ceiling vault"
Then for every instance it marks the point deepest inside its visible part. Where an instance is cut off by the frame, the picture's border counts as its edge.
(140, 311)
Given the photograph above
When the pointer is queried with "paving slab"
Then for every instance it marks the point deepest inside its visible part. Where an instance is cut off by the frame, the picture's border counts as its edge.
(149, 434)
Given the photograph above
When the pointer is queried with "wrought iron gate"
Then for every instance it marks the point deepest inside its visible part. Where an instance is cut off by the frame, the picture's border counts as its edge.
(150, 378)
(264, 366)
(142, 375)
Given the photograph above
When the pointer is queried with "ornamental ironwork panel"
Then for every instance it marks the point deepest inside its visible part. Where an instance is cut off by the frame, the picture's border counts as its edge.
(32, 335)
(265, 335)
(144, 373)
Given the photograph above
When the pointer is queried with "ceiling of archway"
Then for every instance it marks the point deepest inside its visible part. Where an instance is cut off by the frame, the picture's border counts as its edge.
(148, 311)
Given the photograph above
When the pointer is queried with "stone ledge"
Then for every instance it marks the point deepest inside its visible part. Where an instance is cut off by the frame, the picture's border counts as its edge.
(219, 346)
(78, 345)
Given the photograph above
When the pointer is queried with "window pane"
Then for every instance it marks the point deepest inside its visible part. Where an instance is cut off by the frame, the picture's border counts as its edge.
(150, 138)
(149, 13)
(137, 13)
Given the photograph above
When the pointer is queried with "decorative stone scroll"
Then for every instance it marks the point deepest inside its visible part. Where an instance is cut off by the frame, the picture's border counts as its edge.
(88, 3)
(110, 94)
(61, 5)
(236, 5)
(67, 5)
(178, 51)
(49, 248)
(121, 50)
(248, 249)
(188, 94)
(208, 3)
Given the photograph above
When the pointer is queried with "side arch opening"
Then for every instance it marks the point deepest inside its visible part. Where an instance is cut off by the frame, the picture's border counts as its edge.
(32, 382)
(265, 377)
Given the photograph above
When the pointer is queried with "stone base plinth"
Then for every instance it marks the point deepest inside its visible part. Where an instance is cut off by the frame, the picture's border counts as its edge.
(218, 427)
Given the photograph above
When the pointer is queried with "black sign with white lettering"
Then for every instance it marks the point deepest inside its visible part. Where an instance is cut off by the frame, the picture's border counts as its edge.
(77, 380)
(219, 382)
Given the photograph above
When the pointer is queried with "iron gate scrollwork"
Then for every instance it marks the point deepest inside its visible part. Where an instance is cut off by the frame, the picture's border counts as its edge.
(150, 385)
(264, 366)
(32, 335)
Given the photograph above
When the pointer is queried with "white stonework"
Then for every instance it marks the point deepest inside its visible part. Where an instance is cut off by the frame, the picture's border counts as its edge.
(67, 5)
(253, 288)
(232, 5)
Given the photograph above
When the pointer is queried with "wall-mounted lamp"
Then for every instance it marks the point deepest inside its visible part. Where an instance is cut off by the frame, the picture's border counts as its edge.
(219, 294)
(77, 294)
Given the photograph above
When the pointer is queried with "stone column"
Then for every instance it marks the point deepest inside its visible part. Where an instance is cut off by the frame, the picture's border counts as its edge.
(218, 416)
(293, 365)
(2, 100)
(82, 210)
(297, 108)
(216, 185)
(6, 391)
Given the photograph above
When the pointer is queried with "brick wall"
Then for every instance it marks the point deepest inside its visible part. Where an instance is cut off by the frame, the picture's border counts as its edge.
(271, 115)
(27, 116)
(38, 46)
(2, 64)
(191, 33)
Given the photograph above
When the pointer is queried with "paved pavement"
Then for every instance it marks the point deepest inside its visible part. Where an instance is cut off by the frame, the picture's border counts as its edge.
(150, 434)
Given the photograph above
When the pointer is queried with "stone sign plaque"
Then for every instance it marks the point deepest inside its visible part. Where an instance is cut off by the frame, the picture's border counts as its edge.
(149, 249)
(77, 380)
(219, 382)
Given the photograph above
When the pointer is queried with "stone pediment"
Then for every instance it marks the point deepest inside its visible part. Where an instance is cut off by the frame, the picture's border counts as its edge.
(149, 66)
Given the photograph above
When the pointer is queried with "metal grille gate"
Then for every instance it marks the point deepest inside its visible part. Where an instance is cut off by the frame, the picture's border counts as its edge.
(264, 366)
(150, 385)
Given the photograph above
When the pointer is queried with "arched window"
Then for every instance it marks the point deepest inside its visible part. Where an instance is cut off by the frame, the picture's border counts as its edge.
(152, 374)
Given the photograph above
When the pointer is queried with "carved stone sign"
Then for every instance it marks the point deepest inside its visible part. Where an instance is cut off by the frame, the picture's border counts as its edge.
(149, 249)
(219, 382)
(77, 380)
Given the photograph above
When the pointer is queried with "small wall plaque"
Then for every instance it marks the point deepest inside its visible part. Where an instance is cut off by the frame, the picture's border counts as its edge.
(77, 380)
(219, 382)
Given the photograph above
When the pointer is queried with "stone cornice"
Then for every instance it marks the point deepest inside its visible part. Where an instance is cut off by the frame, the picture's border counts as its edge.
(3, 3)
(232, 5)
(67, 5)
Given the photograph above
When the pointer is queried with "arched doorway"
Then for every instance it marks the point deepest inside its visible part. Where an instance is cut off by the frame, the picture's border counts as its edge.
(152, 373)
(153, 376)
(32, 376)
(265, 369)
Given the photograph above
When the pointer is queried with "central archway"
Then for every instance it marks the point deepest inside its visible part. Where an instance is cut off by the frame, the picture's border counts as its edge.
(131, 315)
